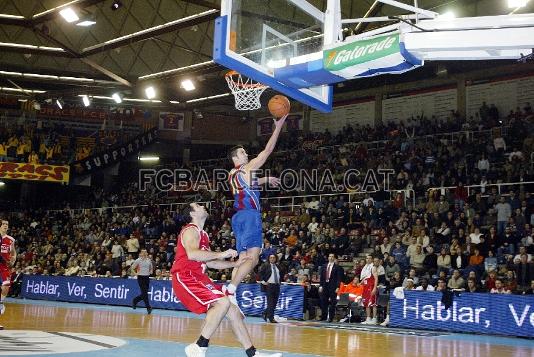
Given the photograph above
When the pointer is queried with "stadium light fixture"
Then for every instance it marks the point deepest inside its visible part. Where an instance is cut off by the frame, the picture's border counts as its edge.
(59, 103)
(150, 92)
(117, 98)
(514, 4)
(2, 184)
(449, 15)
(69, 15)
(188, 85)
(86, 101)
(117, 4)
(86, 23)
(148, 158)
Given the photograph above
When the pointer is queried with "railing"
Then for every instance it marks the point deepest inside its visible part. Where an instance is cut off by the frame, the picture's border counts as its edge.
(279, 203)
(472, 188)
(380, 144)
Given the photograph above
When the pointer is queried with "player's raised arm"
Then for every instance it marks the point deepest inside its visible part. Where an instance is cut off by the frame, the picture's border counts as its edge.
(190, 241)
(258, 162)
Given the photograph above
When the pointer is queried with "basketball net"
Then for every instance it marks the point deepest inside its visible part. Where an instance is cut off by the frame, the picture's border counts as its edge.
(247, 92)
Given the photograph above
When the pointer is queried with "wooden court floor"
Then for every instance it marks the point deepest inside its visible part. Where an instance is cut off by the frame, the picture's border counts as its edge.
(287, 337)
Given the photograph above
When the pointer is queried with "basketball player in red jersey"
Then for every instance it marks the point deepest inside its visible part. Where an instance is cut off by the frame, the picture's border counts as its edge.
(198, 293)
(8, 255)
(369, 279)
(247, 221)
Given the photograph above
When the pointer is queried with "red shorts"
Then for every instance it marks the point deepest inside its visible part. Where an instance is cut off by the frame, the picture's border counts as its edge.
(196, 292)
(5, 275)
(368, 299)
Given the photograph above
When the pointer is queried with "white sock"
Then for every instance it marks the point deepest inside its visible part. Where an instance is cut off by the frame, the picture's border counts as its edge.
(231, 288)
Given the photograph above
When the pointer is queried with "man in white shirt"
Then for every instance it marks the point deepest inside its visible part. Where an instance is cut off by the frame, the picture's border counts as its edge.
(312, 226)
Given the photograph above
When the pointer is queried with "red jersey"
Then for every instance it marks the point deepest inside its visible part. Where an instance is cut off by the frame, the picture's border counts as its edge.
(181, 262)
(6, 246)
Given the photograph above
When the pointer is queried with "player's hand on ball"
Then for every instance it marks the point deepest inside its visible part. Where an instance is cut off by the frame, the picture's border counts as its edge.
(281, 121)
(230, 253)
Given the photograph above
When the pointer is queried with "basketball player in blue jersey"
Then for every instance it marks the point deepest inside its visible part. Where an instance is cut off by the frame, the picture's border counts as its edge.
(247, 222)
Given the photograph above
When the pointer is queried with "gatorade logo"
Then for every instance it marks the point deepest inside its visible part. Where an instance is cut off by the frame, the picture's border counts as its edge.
(331, 56)
(360, 52)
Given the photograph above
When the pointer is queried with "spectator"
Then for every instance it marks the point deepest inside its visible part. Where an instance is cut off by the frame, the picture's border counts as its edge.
(424, 286)
(499, 288)
(456, 281)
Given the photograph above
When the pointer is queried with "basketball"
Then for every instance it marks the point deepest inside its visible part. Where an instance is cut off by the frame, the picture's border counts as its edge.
(279, 106)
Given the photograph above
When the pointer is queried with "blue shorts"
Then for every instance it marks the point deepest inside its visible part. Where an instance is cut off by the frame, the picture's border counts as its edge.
(247, 227)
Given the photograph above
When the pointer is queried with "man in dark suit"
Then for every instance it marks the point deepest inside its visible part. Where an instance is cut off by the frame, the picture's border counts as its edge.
(271, 275)
(331, 277)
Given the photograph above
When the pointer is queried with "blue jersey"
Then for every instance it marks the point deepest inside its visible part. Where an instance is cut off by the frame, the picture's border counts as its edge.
(245, 196)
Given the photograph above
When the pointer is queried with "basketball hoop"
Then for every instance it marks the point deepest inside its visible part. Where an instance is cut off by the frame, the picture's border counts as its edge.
(246, 92)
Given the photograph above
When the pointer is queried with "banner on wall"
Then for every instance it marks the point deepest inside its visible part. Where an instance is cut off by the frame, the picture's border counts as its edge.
(118, 291)
(34, 172)
(502, 314)
(293, 122)
(171, 121)
(115, 155)
(97, 115)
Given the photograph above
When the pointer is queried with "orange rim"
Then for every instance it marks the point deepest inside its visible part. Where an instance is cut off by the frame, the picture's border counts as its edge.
(230, 75)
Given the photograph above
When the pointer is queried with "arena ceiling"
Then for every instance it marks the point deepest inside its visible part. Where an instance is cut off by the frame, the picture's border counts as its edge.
(141, 43)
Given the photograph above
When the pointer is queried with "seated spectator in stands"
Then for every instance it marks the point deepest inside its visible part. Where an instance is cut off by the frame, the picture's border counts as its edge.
(72, 268)
(472, 286)
(386, 246)
(292, 239)
(529, 291)
(391, 267)
(400, 255)
(410, 285)
(354, 289)
(522, 251)
(417, 258)
(456, 281)
(524, 272)
(476, 237)
(459, 260)
(511, 281)
(528, 238)
(424, 286)
(430, 263)
(33, 158)
(444, 260)
(476, 259)
(267, 251)
(441, 285)
(411, 275)
(499, 288)
(412, 248)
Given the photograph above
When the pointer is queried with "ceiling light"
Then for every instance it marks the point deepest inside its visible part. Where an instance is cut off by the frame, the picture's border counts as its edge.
(188, 85)
(8, 16)
(86, 101)
(514, 4)
(59, 103)
(150, 92)
(117, 4)
(69, 15)
(2, 184)
(148, 158)
(117, 98)
(86, 23)
(449, 15)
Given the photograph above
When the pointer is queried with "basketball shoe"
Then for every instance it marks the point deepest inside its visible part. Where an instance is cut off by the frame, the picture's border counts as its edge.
(194, 350)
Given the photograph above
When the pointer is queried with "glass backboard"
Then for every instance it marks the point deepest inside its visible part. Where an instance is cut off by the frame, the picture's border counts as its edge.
(267, 39)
